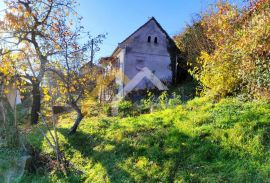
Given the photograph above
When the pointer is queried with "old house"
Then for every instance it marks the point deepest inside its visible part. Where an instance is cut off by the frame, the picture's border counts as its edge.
(148, 47)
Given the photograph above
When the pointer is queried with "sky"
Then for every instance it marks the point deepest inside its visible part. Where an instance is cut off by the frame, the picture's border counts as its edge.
(120, 18)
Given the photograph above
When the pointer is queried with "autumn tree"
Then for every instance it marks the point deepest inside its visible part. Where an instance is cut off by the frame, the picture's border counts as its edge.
(229, 49)
(29, 35)
(192, 41)
(72, 73)
(240, 62)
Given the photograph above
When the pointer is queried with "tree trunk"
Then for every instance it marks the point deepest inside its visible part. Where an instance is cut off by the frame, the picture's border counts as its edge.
(80, 116)
(36, 103)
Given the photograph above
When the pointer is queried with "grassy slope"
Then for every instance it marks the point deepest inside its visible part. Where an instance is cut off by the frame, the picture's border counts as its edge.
(200, 142)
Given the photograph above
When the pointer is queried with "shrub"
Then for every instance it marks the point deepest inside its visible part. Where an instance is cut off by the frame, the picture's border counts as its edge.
(107, 109)
(192, 41)
(239, 62)
(90, 107)
(125, 108)
(175, 100)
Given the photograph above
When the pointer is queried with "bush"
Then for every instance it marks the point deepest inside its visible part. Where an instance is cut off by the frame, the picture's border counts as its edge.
(239, 60)
(192, 41)
(175, 100)
(149, 104)
(125, 108)
(90, 107)
(107, 109)
(163, 101)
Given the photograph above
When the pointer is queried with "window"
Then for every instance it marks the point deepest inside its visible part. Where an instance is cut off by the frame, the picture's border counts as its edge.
(149, 39)
(155, 40)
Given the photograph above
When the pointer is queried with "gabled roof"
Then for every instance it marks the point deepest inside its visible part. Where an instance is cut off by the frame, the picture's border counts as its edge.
(159, 26)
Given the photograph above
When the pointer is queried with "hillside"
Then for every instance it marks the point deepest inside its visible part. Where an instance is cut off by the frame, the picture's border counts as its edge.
(200, 141)
(191, 107)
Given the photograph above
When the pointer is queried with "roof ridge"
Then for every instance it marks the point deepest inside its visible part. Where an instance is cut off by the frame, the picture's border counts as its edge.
(152, 18)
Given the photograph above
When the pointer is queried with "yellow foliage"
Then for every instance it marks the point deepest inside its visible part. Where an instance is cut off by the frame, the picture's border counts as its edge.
(240, 60)
(47, 96)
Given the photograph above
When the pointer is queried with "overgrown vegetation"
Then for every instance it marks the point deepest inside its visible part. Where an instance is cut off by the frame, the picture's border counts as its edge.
(229, 49)
(201, 141)
(223, 136)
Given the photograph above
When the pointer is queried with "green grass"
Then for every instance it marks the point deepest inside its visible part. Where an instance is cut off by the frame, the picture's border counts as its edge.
(200, 141)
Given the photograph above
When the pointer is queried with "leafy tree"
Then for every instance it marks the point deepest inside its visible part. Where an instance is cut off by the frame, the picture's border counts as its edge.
(74, 76)
(192, 41)
(240, 61)
(30, 39)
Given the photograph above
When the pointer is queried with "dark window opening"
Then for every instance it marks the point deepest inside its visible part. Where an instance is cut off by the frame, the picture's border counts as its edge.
(155, 40)
(149, 39)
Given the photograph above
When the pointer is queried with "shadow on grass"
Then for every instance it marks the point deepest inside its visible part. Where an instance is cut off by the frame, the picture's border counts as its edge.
(162, 154)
